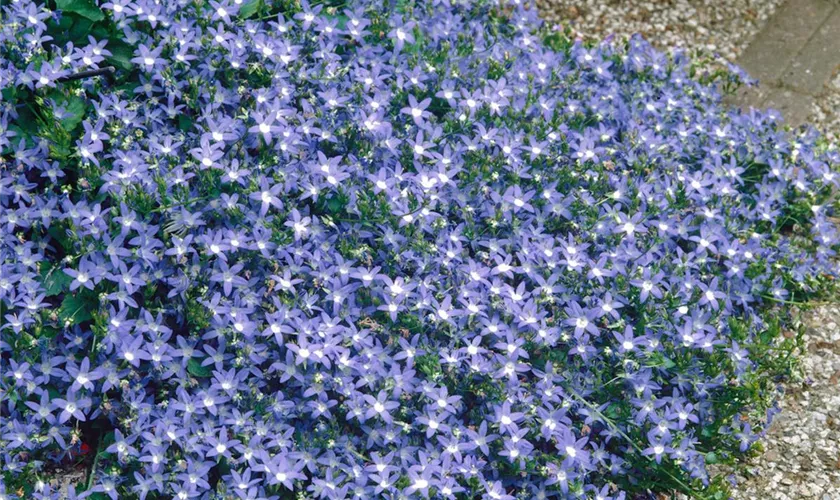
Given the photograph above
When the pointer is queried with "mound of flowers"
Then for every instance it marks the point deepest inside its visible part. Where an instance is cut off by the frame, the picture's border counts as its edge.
(272, 249)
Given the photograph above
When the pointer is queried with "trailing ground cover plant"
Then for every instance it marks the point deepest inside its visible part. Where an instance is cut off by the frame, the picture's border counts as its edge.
(385, 250)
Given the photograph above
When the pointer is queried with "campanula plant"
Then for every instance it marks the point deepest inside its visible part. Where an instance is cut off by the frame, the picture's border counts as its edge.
(277, 249)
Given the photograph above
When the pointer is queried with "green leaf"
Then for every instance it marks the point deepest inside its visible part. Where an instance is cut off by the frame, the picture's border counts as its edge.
(74, 309)
(342, 20)
(47, 332)
(65, 23)
(100, 32)
(59, 233)
(334, 206)
(196, 370)
(108, 439)
(81, 29)
(54, 280)
(612, 412)
(711, 458)
(9, 93)
(74, 112)
(185, 123)
(121, 54)
(659, 360)
(60, 29)
(84, 8)
(250, 8)
(22, 133)
(26, 126)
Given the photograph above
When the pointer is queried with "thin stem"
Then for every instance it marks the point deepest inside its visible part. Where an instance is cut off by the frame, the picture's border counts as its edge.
(108, 70)
(92, 474)
(797, 303)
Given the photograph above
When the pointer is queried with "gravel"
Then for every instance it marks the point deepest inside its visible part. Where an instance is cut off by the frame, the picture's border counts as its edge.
(802, 457)
(723, 27)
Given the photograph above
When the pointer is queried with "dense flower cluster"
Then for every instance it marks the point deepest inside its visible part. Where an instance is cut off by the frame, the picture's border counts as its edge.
(384, 250)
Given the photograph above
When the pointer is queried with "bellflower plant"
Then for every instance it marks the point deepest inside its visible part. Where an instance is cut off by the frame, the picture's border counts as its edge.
(281, 249)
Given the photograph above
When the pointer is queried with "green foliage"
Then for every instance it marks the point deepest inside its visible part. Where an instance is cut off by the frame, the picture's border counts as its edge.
(249, 9)
(54, 279)
(76, 308)
(73, 111)
(429, 365)
(121, 54)
(196, 370)
(84, 8)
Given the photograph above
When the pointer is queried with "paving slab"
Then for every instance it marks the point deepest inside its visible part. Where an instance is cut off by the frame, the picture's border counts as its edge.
(793, 57)
(784, 36)
(818, 59)
(794, 106)
(749, 97)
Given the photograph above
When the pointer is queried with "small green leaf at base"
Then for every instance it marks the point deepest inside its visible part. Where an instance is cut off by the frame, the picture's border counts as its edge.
(196, 370)
(54, 280)
(75, 309)
(84, 8)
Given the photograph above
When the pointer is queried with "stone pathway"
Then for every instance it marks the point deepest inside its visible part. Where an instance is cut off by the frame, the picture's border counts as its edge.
(794, 58)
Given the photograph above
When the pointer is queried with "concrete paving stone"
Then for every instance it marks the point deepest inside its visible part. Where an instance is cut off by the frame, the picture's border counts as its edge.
(783, 38)
(818, 60)
(749, 97)
(794, 106)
